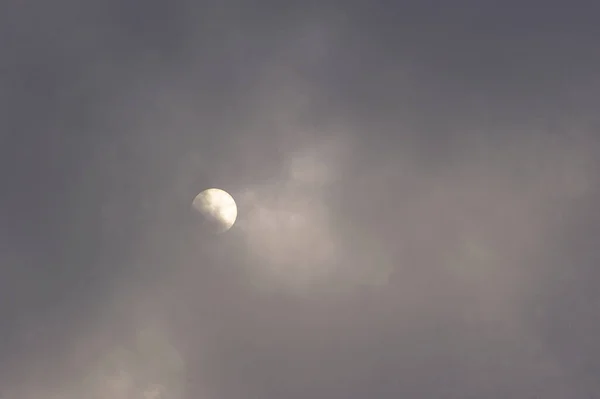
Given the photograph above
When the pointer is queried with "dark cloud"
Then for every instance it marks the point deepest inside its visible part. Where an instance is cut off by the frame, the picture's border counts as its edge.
(417, 192)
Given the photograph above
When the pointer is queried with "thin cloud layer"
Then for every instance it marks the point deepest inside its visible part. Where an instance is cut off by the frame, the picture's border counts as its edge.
(414, 219)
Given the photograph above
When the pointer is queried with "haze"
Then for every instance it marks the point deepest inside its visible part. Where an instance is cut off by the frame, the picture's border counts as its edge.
(417, 193)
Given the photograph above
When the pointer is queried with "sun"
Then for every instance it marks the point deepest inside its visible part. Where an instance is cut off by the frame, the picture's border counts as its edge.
(217, 207)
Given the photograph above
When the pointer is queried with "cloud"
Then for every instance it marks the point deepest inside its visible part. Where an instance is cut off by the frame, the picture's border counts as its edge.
(395, 237)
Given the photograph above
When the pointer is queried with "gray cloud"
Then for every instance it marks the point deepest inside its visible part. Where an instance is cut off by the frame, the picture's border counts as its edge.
(417, 202)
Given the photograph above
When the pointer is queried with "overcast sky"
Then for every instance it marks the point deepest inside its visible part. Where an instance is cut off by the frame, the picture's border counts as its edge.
(418, 190)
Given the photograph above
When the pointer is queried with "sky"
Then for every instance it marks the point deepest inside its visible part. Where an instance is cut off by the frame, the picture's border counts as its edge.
(417, 190)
